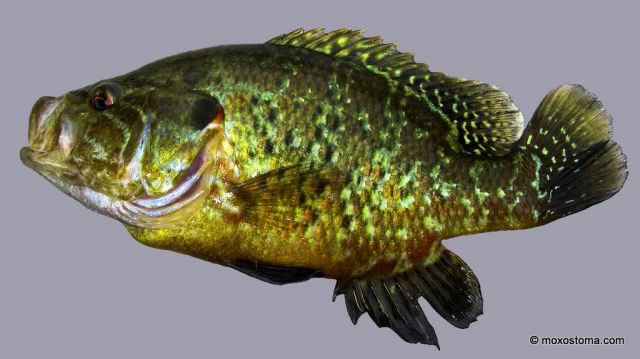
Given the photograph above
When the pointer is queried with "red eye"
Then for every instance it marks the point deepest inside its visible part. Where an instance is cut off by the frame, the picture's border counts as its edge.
(101, 103)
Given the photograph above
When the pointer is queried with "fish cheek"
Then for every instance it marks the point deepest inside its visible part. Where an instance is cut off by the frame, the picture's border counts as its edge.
(98, 155)
(179, 121)
(170, 149)
(137, 126)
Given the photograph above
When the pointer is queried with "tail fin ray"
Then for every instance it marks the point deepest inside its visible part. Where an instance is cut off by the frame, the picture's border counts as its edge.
(578, 164)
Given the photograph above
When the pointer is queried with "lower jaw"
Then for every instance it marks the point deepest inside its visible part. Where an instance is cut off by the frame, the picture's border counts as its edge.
(48, 167)
(140, 213)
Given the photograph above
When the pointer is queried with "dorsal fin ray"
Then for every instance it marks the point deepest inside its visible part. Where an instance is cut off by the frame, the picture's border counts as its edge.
(482, 119)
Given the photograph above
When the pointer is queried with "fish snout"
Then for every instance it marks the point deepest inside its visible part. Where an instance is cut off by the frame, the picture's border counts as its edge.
(43, 123)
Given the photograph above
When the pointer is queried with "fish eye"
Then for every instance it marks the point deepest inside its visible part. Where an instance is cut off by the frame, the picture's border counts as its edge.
(101, 103)
(104, 96)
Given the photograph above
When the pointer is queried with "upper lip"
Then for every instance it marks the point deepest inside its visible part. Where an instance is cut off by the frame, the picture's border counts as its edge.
(45, 156)
(43, 122)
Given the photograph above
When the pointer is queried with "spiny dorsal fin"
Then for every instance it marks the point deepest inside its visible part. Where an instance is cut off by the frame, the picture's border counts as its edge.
(482, 118)
(350, 45)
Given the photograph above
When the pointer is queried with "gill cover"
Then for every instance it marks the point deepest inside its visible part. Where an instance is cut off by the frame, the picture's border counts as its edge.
(169, 145)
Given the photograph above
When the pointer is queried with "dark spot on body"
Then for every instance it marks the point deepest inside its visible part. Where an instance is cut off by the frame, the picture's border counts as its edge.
(190, 75)
(281, 81)
(203, 112)
(331, 93)
(329, 153)
(358, 179)
(333, 122)
(280, 173)
(300, 180)
(255, 100)
(283, 78)
(297, 105)
(288, 138)
(317, 112)
(273, 114)
(385, 121)
(348, 176)
(346, 221)
(318, 133)
(322, 184)
(268, 147)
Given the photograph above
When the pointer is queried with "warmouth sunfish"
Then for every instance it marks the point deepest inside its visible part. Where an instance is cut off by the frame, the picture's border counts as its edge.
(327, 155)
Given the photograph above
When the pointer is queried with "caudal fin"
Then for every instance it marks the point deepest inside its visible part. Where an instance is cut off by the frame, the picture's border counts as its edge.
(577, 163)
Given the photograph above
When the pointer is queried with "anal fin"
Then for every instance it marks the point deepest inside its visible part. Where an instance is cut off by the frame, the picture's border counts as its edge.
(389, 304)
(448, 284)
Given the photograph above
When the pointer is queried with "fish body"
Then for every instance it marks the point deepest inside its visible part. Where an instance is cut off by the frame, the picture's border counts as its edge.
(325, 155)
(393, 186)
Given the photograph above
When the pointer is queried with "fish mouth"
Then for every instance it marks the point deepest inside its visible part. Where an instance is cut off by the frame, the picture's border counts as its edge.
(169, 210)
(46, 155)
(47, 164)
(44, 123)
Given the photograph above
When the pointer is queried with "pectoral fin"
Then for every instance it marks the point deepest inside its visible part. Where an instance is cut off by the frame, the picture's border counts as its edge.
(287, 196)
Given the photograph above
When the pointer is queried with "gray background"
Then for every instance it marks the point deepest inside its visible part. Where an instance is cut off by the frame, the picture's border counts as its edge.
(73, 284)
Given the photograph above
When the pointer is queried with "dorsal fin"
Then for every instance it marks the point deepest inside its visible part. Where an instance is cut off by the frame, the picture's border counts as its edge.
(482, 119)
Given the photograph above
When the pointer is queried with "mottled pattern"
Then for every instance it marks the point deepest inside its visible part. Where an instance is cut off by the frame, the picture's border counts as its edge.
(404, 187)
(329, 151)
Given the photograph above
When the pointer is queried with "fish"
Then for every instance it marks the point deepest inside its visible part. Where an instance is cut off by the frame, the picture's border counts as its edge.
(326, 155)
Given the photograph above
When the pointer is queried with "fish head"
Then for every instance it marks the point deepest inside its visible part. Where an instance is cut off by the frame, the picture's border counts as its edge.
(124, 143)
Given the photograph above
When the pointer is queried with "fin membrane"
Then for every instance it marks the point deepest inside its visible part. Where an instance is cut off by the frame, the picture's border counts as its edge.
(286, 196)
(447, 283)
(275, 274)
(482, 119)
(569, 138)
